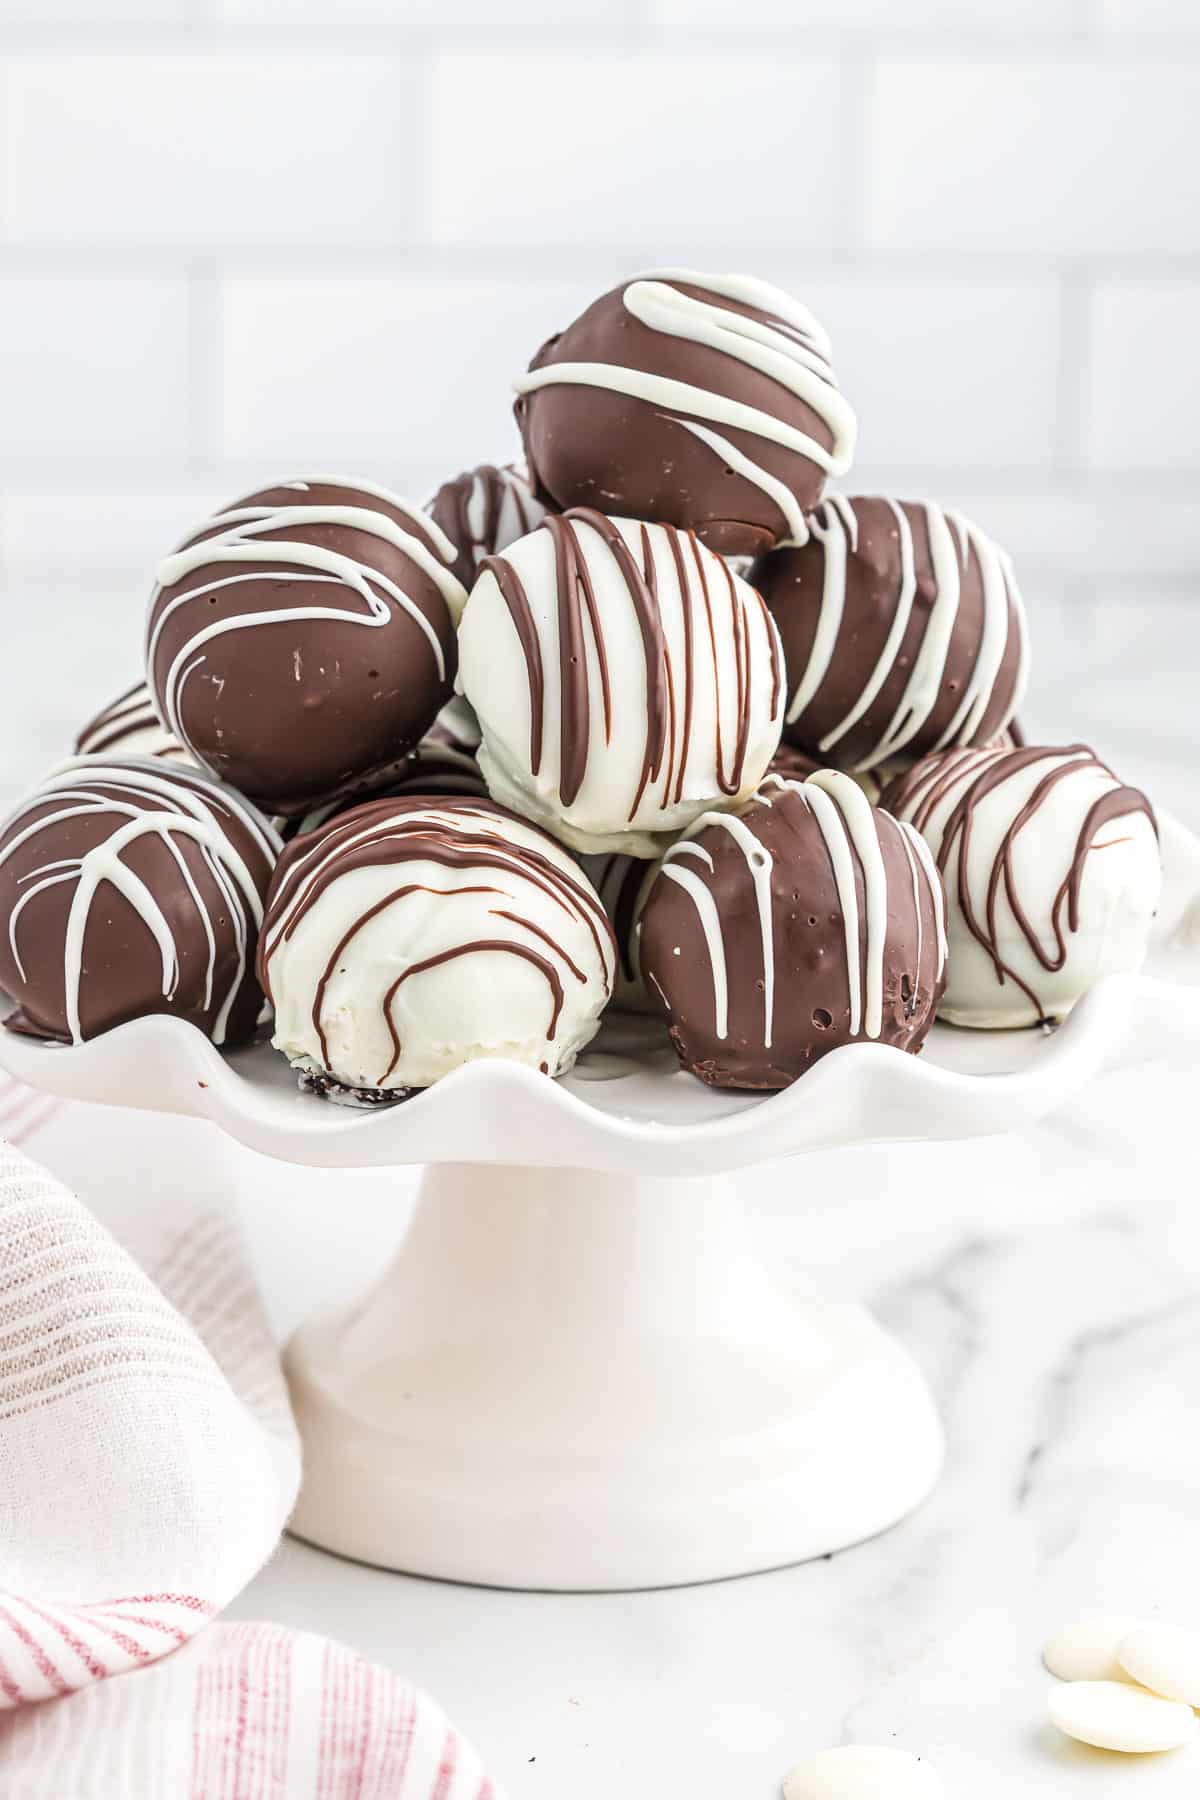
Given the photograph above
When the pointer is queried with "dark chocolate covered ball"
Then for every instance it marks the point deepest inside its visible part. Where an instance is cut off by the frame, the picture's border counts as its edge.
(483, 511)
(903, 631)
(129, 726)
(131, 886)
(434, 768)
(707, 402)
(303, 640)
(791, 764)
(808, 921)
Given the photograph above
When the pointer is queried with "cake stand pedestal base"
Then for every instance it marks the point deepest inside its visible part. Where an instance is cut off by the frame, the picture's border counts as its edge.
(571, 1380)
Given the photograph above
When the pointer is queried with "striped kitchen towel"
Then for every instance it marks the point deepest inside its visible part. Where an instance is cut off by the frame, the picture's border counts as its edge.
(148, 1463)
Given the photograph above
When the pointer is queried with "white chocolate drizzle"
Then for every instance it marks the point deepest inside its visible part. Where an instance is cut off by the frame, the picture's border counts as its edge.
(710, 920)
(760, 864)
(791, 349)
(180, 803)
(849, 825)
(375, 597)
(835, 526)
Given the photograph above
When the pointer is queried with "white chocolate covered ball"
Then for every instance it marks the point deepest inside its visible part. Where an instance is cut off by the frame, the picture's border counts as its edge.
(1052, 873)
(408, 937)
(625, 680)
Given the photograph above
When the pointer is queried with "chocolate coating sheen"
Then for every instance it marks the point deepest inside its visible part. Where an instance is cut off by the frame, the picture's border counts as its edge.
(809, 921)
(483, 511)
(707, 402)
(303, 640)
(131, 886)
(433, 768)
(129, 726)
(791, 764)
(903, 630)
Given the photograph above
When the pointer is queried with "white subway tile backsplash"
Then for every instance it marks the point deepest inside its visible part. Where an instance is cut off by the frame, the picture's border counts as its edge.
(1051, 156)
(1142, 393)
(243, 238)
(944, 375)
(492, 18)
(119, 533)
(93, 367)
(1087, 536)
(405, 371)
(204, 148)
(69, 647)
(93, 12)
(644, 149)
(1152, 18)
(797, 18)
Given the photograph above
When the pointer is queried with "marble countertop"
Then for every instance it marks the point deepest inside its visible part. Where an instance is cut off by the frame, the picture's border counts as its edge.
(1048, 1285)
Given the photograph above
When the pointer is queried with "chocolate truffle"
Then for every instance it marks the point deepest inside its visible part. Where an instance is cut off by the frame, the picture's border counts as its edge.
(702, 401)
(623, 883)
(797, 765)
(433, 768)
(303, 641)
(1052, 872)
(408, 937)
(457, 727)
(482, 511)
(625, 680)
(903, 631)
(791, 764)
(809, 920)
(129, 726)
(131, 886)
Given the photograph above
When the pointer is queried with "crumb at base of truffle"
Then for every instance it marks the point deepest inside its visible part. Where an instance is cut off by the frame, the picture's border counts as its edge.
(327, 1087)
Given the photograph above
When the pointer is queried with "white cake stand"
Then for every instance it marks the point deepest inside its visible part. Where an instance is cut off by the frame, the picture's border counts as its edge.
(577, 1373)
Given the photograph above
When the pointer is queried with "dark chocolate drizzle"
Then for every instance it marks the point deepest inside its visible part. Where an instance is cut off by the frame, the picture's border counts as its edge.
(452, 834)
(668, 738)
(917, 795)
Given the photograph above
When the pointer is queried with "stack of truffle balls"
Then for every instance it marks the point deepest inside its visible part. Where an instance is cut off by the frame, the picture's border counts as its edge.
(651, 721)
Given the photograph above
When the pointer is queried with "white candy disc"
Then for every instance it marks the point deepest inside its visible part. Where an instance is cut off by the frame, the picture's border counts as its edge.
(1087, 1649)
(859, 1773)
(1164, 1659)
(1113, 1716)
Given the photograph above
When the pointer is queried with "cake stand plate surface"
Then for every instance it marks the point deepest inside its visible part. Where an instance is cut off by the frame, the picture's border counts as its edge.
(577, 1372)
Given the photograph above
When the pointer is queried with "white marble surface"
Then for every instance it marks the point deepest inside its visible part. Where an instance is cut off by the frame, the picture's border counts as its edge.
(1048, 1284)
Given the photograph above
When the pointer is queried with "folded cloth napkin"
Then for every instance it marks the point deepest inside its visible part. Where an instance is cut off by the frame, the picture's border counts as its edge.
(148, 1463)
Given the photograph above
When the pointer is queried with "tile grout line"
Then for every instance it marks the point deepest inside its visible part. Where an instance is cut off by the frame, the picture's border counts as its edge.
(856, 75)
(1073, 371)
(527, 261)
(205, 362)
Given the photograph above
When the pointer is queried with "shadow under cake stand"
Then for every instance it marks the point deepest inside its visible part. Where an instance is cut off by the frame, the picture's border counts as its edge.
(578, 1372)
